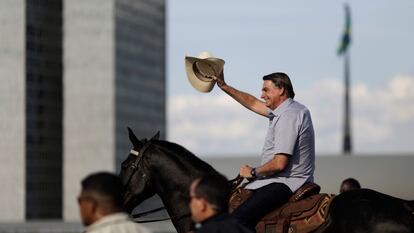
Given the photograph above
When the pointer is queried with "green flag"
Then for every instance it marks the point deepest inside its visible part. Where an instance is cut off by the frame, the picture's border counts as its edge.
(346, 37)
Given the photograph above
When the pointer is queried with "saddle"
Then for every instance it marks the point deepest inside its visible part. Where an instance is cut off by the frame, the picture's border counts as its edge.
(305, 211)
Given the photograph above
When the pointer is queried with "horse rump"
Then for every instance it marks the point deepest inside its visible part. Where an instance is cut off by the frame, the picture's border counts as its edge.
(366, 210)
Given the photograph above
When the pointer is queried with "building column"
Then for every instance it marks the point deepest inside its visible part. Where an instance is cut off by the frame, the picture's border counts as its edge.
(89, 94)
(12, 110)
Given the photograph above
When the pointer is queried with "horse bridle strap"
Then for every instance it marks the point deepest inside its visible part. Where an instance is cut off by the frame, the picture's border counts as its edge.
(134, 152)
(151, 220)
(142, 214)
(141, 152)
(157, 220)
(138, 159)
(134, 216)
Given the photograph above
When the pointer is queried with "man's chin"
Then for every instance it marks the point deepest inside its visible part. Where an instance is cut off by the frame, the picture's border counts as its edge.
(269, 105)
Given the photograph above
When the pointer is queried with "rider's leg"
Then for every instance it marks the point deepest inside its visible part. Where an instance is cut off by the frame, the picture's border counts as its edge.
(261, 202)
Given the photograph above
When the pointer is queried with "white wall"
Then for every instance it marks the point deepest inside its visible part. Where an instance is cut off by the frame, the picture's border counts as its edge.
(390, 174)
(12, 110)
(89, 94)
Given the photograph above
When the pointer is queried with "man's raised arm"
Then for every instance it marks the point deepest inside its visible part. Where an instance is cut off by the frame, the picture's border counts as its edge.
(249, 101)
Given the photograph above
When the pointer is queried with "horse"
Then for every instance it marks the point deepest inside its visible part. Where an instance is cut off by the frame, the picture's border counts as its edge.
(165, 168)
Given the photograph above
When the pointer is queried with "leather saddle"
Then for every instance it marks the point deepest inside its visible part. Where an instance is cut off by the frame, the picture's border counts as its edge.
(305, 211)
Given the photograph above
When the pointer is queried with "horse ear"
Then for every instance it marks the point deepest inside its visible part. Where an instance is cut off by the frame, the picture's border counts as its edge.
(156, 136)
(133, 138)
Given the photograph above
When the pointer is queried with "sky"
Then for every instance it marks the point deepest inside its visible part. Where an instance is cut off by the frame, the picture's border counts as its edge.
(299, 38)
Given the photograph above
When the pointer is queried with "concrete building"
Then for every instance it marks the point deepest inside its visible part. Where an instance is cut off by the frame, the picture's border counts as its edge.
(74, 74)
(44, 105)
(12, 110)
(114, 77)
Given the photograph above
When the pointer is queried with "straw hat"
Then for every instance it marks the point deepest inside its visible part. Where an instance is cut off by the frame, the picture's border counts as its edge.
(201, 69)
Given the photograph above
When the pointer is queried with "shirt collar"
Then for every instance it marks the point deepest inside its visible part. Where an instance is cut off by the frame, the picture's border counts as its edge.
(107, 220)
(281, 108)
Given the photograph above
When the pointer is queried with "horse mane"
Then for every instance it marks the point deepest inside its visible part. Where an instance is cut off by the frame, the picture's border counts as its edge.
(184, 156)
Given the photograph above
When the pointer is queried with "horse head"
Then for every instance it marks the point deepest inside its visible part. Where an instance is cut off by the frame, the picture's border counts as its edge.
(163, 168)
(135, 173)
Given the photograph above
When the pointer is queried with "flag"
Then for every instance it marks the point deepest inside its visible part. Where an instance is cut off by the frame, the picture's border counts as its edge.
(346, 37)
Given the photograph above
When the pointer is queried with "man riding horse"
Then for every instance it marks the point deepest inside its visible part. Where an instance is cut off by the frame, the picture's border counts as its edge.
(288, 155)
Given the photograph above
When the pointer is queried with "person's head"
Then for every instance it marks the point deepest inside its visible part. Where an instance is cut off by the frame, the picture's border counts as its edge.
(349, 184)
(209, 195)
(277, 87)
(101, 195)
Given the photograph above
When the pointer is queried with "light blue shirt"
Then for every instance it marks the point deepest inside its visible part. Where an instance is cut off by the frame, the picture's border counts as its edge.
(290, 132)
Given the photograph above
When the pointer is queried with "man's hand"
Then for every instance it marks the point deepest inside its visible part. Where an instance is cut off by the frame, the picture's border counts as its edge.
(220, 79)
(245, 171)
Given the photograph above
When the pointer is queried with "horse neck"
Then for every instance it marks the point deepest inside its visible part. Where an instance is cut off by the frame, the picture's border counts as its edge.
(174, 164)
(173, 173)
(171, 178)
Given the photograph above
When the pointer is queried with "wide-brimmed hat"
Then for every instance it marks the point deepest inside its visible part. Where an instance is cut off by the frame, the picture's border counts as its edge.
(201, 69)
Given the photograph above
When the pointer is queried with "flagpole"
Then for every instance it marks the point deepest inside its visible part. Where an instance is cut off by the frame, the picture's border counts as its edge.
(344, 50)
(347, 139)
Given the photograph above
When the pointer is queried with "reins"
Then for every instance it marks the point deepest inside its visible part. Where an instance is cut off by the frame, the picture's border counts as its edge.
(142, 214)
(155, 220)
(145, 213)
(234, 184)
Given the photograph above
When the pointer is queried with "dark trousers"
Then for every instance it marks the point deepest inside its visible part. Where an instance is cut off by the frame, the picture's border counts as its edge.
(261, 202)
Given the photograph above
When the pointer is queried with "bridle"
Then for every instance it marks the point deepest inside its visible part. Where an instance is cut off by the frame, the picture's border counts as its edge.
(135, 165)
(139, 157)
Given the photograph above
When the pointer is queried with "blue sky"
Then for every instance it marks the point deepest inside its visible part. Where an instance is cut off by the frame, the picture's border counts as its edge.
(301, 39)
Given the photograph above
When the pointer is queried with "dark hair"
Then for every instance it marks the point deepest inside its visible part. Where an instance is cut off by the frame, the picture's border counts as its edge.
(349, 184)
(353, 182)
(281, 80)
(105, 184)
(214, 188)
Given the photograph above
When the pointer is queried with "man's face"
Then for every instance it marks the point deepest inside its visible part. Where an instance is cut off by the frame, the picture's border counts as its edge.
(196, 204)
(271, 94)
(86, 208)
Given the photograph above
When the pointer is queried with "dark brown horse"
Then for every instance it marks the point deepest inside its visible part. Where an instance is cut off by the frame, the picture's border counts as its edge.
(167, 169)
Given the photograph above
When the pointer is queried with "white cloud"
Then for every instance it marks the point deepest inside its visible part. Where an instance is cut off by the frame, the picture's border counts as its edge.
(214, 125)
(382, 117)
